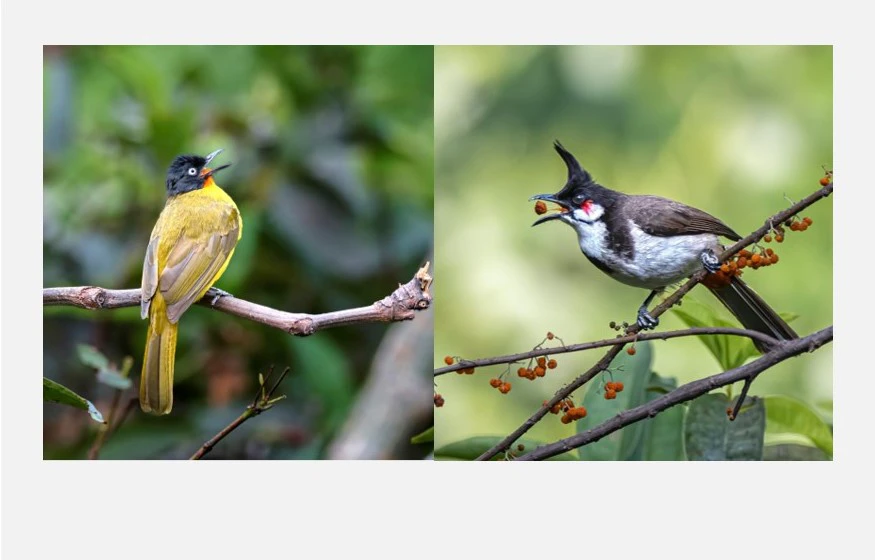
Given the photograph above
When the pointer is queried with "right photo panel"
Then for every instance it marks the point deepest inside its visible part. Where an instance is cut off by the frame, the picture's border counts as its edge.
(633, 253)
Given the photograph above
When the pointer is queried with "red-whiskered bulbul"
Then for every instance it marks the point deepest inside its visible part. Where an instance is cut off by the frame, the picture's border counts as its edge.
(652, 242)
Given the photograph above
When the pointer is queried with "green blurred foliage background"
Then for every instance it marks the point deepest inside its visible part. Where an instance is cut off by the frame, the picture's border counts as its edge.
(730, 130)
(333, 174)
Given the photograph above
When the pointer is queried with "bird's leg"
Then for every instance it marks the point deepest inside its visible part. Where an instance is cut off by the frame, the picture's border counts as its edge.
(710, 261)
(216, 293)
(646, 321)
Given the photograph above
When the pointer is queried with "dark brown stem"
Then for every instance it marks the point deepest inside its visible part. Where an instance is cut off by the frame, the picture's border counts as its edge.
(104, 428)
(263, 401)
(400, 305)
(785, 350)
(693, 331)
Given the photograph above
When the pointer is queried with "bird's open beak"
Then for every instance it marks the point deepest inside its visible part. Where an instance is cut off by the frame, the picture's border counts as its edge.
(553, 216)
(209, 172)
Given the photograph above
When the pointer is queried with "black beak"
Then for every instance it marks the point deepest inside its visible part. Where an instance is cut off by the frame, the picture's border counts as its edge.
(214, 170)
(547, 217)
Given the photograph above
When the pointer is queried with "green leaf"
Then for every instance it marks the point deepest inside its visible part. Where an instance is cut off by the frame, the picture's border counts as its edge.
(709, 435)
(424, 437)
(91, 356)
(111, 377)
(793, 452)
(664, 434)
(730, 351)
(786, 415)
(788, 316)
(471, 448)
(634, 372)
(55, 392)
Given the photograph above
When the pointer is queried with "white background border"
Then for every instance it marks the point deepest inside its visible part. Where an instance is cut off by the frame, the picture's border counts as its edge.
(78, 509)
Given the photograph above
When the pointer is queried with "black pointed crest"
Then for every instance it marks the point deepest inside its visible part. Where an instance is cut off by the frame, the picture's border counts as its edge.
(574, 168)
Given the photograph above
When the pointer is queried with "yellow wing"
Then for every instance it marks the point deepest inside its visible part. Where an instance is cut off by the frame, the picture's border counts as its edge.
(191, 245)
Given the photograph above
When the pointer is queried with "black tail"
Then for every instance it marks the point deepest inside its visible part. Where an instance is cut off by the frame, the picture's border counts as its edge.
(753, 312)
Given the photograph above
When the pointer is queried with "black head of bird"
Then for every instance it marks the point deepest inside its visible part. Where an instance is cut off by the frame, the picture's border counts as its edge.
(190, 172)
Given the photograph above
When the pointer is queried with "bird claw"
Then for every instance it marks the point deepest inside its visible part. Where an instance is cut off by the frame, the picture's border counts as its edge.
(710, 261)
(646, 321)
(217, 294)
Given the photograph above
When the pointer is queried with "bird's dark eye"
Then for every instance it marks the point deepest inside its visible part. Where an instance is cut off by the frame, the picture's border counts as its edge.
(192, 170)
(578, 199)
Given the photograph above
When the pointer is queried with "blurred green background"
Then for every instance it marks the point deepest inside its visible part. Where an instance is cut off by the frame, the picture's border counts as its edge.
(730, 130)
(332, 152)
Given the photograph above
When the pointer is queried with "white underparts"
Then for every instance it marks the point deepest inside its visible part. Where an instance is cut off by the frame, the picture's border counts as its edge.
(656, 261)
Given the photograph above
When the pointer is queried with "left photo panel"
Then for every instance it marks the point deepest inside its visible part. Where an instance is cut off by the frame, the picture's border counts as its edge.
(237, 252)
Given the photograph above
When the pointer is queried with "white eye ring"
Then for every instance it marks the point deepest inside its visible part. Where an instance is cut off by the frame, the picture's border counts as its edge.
(192, 171)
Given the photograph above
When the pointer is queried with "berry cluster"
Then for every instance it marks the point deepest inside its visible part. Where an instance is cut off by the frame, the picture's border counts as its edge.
(438, 400)
(503, 386)
(539, 371)
(449, 360)
(569, 411)
(612, 388)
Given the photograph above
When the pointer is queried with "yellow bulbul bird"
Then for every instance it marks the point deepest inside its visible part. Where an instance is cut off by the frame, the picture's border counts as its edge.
(189, 249)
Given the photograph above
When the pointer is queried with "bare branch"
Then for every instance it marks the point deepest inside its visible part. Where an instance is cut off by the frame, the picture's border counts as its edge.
(263, 401)
(400, 305)
(785, 350)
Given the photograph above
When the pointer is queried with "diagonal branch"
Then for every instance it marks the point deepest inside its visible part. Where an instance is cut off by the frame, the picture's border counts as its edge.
(784, 351)
(400, 305)
(666, 304)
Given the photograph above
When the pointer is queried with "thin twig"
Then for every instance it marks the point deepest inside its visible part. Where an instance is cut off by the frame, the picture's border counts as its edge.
(735, 410)
(263, 401)
(666, 304)
(400, 305)
(786, 350)
(692, 331)
(102, 431)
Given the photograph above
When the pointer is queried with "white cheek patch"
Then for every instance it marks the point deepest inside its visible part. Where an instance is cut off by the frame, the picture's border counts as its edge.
(589, 213)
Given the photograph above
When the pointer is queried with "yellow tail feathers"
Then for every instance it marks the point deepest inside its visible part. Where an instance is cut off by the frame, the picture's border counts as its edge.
(156, 380)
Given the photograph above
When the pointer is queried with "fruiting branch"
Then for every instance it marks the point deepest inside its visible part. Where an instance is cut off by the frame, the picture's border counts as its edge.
(400, 305)
(690, 391)
(767, 228)
(622, 340)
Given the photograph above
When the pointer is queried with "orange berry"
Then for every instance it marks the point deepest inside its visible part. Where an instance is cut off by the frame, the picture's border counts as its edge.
(504, 387)
(824, 181)
(742, 262)
(630, 350)
(495, 382)
(806, 220)
(448, 360)
(542, 361)
(744, 253)
(521, 372)
(618, 386)
(770, 252)
(609, 386)
(610, 395)
(539, 371)
(779, 238)
(540, 207)
(802, 226)
(438, 400)
(550, 335)
(732, 266)
(581, 411)
(556, 408)
(756, 258)
(530, 374)
(774, 259)
(566, 419)
(551, 364)
(724, 268)
(767, 238)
